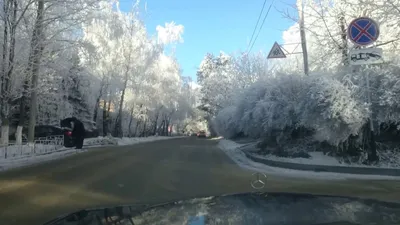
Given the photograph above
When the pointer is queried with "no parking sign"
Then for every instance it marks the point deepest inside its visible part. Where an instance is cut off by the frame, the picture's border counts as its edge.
(363, 31)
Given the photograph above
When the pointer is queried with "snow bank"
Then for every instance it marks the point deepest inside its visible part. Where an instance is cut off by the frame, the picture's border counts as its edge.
(132, 141)
(100, 141)
(23, 155)
(317, 158)
(387, 160)
(10, 163)
(232, 150)
(23, 151)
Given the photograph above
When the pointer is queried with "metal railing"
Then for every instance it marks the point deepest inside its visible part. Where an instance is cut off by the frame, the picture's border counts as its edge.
(41, 146)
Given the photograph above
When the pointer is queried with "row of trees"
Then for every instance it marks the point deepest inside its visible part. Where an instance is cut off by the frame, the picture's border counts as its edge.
(88, 59)
(279, 104)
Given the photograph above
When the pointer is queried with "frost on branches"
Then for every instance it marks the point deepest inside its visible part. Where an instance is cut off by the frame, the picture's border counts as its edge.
(327, 110)
(88, 59)
(323, 109)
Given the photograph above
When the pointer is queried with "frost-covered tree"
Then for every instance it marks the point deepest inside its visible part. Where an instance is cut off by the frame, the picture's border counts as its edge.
(85, 58)
(146, 79)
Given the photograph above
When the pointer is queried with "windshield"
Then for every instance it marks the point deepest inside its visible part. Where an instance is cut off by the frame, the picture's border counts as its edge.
(107, 103)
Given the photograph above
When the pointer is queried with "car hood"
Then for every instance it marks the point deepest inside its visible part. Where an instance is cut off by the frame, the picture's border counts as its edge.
(245, 208)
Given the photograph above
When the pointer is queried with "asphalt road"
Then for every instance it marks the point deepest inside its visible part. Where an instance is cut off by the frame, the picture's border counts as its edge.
(147, 173)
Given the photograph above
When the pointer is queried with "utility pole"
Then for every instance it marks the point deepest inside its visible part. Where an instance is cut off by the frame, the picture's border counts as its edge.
(345, 60)
(300, 7)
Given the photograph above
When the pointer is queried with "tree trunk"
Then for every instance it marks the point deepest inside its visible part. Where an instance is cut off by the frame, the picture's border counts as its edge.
(136, 127)
(18, 133)
(130, 122)
(344, 46)
(4, 104)
(5, 131)
(118, 124)
(21, 121)
(34, 63)
(6, 5)
(169, 127)
(145, 124)
(105, 130)
(155, 123)
(97, 105)
(165, 127)
(8, 73)
(138, 122)
(109, 120)
(161, 128)
(144, 128)
(12, 43)
(303, 38)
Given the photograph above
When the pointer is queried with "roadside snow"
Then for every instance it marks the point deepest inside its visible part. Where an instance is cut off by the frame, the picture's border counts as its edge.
(232, 150)
(100, 141)
(132, 141)
(317, 158)
(23, 151)
(24, 155)
(10, 163)
(388, 160)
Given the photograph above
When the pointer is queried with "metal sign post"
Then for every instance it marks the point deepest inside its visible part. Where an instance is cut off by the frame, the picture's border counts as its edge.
(362, 32)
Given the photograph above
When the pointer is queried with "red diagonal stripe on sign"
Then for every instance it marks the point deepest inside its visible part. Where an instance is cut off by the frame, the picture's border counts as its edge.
(363, 31)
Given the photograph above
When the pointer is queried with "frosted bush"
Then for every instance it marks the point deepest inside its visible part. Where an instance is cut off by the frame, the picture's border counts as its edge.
(331, 110)
(226, 123)
(289, 101)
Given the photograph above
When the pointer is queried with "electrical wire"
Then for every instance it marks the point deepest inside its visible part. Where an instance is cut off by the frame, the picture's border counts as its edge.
(258, 20)
(262, 24)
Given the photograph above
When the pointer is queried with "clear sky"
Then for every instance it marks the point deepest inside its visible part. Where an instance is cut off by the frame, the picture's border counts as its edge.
(215, 25)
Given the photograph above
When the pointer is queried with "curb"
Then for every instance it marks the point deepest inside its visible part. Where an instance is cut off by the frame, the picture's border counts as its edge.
(324, 168)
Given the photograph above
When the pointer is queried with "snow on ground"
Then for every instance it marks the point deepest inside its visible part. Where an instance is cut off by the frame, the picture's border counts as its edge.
(317, 158)
(388, 160)
(9, 163)
(23, 155)
(23, 151)
(232, 150)
(132, 141)
(100, 141)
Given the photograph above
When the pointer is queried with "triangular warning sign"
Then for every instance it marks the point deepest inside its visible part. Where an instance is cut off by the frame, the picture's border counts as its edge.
(276, 52)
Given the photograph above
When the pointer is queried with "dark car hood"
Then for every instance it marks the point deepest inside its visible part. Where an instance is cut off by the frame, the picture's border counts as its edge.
(246, 208)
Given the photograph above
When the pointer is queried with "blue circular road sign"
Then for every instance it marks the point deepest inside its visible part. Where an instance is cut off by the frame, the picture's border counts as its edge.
(363, 31)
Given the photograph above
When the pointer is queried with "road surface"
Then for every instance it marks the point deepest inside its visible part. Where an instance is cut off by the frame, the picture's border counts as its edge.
(149, 172)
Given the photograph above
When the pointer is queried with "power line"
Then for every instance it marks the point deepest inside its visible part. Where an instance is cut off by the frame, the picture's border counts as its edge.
(262, 24)
(258, 20)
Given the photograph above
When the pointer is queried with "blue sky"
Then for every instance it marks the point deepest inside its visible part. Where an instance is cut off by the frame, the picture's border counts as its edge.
(214, 25)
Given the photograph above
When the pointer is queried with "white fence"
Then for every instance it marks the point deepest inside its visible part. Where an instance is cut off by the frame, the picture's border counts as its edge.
(41, 146)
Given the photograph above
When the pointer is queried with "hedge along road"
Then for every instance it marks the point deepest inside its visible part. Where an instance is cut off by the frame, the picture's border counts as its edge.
(148, 173)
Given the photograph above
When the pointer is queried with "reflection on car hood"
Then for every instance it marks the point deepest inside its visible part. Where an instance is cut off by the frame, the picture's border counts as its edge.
(247, 208)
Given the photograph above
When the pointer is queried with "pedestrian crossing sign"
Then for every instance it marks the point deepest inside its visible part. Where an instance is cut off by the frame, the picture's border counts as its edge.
(276, 52)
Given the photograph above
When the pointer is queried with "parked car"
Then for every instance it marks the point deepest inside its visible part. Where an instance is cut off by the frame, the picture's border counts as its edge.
(202, 134)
